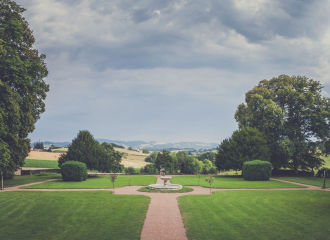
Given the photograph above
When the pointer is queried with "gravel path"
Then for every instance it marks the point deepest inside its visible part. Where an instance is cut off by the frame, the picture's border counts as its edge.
(163, 220)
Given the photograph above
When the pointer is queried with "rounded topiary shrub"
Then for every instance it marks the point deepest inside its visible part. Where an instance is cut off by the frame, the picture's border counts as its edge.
(74, 171)
(257, 170)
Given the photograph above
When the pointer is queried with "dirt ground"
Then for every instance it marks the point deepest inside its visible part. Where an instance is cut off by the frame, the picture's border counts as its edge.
(135, 159)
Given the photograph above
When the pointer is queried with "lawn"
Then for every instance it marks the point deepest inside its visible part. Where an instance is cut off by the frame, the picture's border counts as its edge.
(98, 182)
(71, 215)
(41, 163)
(315, 181)
(20, 180)
(230, 182)
(257, 215)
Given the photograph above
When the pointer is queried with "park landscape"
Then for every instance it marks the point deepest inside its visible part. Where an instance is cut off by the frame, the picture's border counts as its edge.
(269, 179)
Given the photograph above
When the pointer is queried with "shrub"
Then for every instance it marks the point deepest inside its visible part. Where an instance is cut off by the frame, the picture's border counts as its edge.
(129, 170)
(257, 170)
(149, 169)
(74, 171)
(213, 170)
(145, 151)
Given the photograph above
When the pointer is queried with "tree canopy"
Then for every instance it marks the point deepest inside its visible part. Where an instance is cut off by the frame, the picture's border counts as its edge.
(86, 149)
(166, 160)
(22, 88)
(244, 145)
(291, 112)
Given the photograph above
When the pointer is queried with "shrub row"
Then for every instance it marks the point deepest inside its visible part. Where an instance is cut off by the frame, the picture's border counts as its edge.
(257, 170)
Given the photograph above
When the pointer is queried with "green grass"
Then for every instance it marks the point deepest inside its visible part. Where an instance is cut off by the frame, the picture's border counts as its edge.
(41, 163)
(257, 215)
(183, 190)
(20, 180)
(326, 161)
(98, 182)
(71, 215)
(230, 182)
(315, 181)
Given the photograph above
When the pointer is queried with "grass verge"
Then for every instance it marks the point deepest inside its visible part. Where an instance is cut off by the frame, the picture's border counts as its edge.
(98, 182)
(71, 215)
(257, 215)
(230, 182)
(20, 180)
(315, 181)
(41, 163)
(183, 190)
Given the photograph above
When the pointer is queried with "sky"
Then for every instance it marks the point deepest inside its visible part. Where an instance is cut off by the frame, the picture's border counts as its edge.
(171, 70)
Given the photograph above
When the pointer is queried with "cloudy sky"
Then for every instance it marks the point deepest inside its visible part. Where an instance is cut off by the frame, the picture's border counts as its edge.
(169, 70)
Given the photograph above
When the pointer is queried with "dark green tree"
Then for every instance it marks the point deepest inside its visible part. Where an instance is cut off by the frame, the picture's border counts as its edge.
(84, 148)
(22, 71)
(165, 160)
(152, 157)
(291, 112)
(245, 144)
(207, 155)
(188, 164)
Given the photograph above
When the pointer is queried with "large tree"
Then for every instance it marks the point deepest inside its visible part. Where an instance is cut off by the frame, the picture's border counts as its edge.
(101, 157)
(291, 112)
(22, 71)
(245, 144)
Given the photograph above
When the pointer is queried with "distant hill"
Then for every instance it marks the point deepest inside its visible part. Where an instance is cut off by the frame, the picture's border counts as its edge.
(152, 145)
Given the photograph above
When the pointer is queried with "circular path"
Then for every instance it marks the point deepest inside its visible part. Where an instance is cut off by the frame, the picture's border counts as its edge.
(163, 220)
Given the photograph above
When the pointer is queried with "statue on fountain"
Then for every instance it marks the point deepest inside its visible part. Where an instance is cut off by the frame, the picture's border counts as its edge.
(162, 171)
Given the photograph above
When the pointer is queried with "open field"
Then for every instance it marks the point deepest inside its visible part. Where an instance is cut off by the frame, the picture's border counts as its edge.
(20, 180)
(315, 181)
(134, 159)
(34, 163)
(97, 182)
(71, 215)
(257, 215)
(230, 182)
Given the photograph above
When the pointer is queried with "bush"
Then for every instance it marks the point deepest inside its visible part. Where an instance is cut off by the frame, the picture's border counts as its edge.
(129, 170)
(213, 170)
(74, 171)
(149, 169)
(257, 170)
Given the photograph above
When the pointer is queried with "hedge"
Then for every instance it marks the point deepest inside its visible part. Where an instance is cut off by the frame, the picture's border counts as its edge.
(74, 171)
(257, 170)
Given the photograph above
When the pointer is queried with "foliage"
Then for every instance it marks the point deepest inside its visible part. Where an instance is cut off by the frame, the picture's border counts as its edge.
(86, 149)
(207, 165)
(117, 146)
(182, 190)
(145, 151)
(74, 171)
(188, 164)
(97, 182)
(166, 160)
(152, 157)
(207, 155)
(129, 170)
(213, 170)
(113, 178)
(72, 215)
(129, 148)
(290, 111)
(22, 88)
(245, 144)
(4, 156)
(38, 145)
(149, 169)
(257, 170)
(256, 215)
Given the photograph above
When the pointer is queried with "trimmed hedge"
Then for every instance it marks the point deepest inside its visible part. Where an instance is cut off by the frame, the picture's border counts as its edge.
(74, 171)
(257, 170)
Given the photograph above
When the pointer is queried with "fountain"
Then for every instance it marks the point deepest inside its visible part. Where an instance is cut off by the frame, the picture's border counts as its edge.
(165, 186)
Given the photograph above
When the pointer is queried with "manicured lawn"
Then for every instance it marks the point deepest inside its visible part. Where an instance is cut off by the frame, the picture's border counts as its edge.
(315, 181)
(98, 182)
(183, 190)
(257, 215)
(71, 215)
(41, 163)
(230, 182)
(20, 180)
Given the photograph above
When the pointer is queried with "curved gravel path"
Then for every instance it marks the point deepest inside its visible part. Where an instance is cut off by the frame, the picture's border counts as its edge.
(163, 220)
